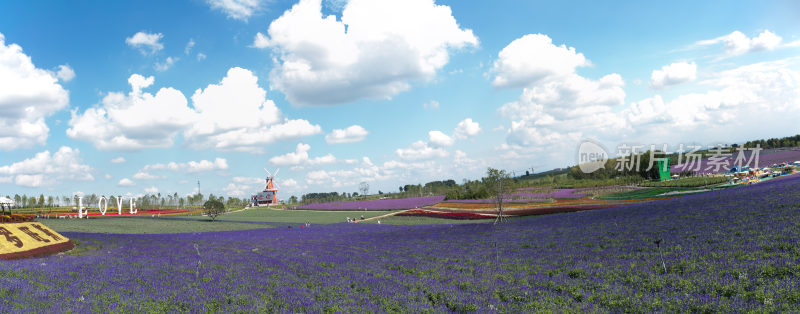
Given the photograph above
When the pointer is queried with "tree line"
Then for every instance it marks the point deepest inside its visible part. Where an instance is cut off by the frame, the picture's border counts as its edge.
(147, 201)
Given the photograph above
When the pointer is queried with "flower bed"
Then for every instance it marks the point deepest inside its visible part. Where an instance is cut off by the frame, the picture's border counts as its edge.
(29, 239)
(15, 218)
(387, 204)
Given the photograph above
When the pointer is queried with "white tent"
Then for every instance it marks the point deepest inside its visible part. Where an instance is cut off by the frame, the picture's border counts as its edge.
(6, 201)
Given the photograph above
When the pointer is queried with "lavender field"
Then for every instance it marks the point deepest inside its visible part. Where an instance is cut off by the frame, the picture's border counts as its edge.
(766, 158)
(732, 250)
(387, 204)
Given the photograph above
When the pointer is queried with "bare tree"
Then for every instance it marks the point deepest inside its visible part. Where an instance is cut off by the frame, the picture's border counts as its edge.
(498, 182)
(364, 188)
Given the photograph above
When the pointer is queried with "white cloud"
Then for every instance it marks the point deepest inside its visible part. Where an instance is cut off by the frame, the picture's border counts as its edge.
(125, 182)
(466, 128)
(151, 190)
(533, 58)
(163, 66)
(248, 180)
(247, 124)
(766, 91)
(144, 175)
(28, 95)
(107, 176)
(118, 160)
(146, 42)
(339, 178)
(142, 120)
(372, 52)
(420, 150)
(65, 73)
(351, 134)
(189, 46)
(236, 9)
(300, 156)
(46, 169)
(556, 104)
(135, 121)
(673, 74)
(260, 41)
(431, 105)
(737, 43)
(201, 56)
(439, 139)
(189, 167)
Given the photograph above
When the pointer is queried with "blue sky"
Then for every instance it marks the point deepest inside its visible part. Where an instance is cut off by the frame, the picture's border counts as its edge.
(150, 96)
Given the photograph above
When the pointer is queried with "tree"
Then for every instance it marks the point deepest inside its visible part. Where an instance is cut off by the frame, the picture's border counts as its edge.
(364, 188)
(213, 208)
(293, 199)
(498, 182)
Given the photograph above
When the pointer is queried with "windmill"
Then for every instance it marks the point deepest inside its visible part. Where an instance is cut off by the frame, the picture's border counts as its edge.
(270, 194)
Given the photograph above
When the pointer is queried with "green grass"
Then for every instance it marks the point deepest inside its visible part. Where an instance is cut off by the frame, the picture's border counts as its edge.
(688, 182)
(417, 220)
(296, 216)
(144, 225)
(635, 194)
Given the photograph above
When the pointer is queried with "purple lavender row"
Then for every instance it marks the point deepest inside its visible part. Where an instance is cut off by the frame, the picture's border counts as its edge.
(698, 253)
(765, 159)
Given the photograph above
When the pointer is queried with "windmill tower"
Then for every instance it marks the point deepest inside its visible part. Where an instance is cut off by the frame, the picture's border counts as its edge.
(269, 196)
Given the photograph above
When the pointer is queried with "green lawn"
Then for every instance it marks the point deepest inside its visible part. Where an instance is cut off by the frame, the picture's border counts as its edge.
(295, 216)
(144, 225)
(417, 220)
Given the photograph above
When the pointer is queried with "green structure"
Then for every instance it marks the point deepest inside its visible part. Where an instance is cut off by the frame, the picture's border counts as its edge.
(663, 169)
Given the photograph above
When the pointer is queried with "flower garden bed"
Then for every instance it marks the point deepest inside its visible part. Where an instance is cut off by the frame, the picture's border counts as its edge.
(30, 239)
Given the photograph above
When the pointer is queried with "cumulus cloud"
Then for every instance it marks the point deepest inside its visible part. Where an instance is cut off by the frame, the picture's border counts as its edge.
(420, 150)
(141, 120)
(135, 121)
(300, 156)
(556, 104)
(532, 58)
(27, 96)
(346, 177)
(673, 74)
(65, 73)
(163, 66)
(189, 167)
(147, 43)
(236, 9)
(247, 124)
(125, 182)
(151, 190)
(144, 175)
(118, 160)
(439, 139)
(766, 90)
(372, 52)
(466, 128)
(737, 43)
(46, 169)
(351, 134)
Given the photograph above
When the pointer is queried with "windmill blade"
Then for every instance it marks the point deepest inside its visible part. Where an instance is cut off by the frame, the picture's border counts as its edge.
(268, 174)
(276, 172)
